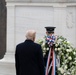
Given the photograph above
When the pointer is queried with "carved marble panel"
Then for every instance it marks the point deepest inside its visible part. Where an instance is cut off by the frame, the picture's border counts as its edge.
(32, 18)
(70, 17)
(71, 24)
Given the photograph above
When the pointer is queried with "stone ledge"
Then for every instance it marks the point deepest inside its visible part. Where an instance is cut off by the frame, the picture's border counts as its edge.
(43, 1)
(7, 68)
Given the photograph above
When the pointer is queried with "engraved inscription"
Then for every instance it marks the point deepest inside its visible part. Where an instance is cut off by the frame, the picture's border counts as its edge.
(70, 17)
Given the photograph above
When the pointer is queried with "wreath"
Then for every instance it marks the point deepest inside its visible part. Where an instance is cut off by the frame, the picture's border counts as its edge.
(66, 53)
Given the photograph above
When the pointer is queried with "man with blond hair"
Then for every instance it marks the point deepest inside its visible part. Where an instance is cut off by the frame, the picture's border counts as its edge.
(29, 57)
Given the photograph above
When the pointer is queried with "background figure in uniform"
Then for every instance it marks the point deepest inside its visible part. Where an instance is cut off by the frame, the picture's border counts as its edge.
(49, 33)
(29, 57)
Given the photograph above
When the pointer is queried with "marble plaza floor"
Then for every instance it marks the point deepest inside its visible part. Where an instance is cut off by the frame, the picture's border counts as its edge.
(7, 68)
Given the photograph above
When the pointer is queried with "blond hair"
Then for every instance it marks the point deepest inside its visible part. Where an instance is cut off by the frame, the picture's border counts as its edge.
(30, 34)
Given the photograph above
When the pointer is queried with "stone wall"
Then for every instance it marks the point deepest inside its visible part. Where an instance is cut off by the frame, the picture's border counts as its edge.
(44, 1)
(2, 28)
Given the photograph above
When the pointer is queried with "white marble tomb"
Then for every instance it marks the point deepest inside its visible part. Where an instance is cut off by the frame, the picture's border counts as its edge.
(25, 14)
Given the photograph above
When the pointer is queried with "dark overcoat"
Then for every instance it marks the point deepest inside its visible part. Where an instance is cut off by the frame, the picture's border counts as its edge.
(29, 59)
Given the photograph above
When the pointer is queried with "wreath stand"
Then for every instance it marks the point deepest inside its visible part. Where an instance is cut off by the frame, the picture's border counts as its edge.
(51, 62)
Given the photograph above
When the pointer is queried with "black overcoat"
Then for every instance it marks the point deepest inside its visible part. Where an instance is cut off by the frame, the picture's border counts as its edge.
(29, 59)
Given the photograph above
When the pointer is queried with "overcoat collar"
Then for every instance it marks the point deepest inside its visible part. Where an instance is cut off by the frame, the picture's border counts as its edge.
(28, 40)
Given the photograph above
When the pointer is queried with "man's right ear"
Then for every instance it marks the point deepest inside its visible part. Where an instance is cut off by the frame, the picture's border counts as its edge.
(46, 32)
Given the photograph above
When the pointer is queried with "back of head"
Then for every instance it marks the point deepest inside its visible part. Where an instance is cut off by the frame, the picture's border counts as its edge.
(30, 34)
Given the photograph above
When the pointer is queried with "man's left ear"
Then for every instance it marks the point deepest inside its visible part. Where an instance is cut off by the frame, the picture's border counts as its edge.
(33, 38)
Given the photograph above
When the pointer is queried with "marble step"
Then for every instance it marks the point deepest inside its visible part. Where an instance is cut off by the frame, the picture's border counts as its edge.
(7, 68)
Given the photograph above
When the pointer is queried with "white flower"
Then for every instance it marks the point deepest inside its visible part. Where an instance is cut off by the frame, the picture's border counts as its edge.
(70, 58)
(59, 49)
(56, 49)
(65, 67)
(62, 54)
(56, 45)
(44, 48)
(69, 50)
(44, 54)
(69, 47)
(68, 42)
(74, 53)
(61, 70)
(47, 49)
(60, 40)
(64, 74)
(67, 55)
